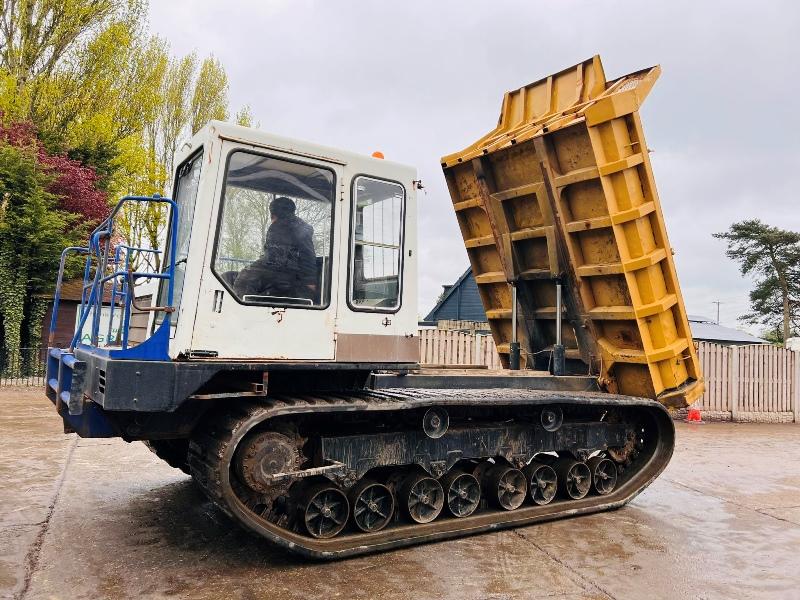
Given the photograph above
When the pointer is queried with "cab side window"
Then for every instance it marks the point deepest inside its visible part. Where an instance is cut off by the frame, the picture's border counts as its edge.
(275, 231)
(376, 248)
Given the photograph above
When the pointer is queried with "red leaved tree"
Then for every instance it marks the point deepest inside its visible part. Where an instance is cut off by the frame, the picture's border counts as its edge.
(75, 185)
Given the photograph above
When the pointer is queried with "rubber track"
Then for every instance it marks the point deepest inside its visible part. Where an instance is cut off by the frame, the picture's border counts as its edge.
(213, 443)
(172, 452)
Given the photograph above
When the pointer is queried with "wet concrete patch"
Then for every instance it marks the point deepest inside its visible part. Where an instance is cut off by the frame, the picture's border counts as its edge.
(32, 450)
(128, 526)
(789, 514)
(15, 542)
(675, 543)
(29, 473)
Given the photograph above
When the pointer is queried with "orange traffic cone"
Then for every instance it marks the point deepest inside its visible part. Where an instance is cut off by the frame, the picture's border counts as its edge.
(694, 416)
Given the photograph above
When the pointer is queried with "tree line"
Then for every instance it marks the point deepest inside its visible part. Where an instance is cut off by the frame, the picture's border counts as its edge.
(92, 106)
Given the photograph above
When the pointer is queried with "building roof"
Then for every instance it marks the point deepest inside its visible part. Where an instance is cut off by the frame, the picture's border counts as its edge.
(460, 301)
(448, 291)
(707, 329)
(72, 291)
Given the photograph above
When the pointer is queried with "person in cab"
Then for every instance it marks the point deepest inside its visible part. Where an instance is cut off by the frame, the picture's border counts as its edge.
(288, 266)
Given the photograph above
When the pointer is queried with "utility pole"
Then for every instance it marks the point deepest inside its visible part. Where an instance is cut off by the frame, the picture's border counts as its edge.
(717, 302)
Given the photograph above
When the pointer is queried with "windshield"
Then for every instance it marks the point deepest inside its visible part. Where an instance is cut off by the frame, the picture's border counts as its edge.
(275, 232)
(187, 180)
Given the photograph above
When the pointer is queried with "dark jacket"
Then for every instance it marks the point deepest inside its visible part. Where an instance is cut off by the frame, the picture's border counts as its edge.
(288, 265)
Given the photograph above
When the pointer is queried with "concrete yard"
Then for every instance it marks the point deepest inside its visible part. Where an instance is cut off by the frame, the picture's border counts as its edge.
(106, 519)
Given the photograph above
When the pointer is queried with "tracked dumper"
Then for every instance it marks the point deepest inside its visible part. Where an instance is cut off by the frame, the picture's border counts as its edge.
(271, 349)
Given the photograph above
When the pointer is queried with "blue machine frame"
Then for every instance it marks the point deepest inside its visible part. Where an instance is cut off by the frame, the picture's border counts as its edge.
(65, 372)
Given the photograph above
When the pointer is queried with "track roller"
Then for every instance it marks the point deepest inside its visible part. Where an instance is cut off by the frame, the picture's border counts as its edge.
(542, 482)
(462, 493)
(574, 478)
(420, 497)
(506, 487)
(604, 474)
(373, 505)
(323, 509)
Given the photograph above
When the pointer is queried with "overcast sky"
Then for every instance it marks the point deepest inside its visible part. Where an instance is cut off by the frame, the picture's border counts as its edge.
(418, 80)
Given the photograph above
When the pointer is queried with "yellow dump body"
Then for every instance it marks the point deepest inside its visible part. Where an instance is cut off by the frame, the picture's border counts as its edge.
(562, 190)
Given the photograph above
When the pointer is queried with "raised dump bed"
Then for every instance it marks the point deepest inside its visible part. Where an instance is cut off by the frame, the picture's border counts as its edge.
(562, 190)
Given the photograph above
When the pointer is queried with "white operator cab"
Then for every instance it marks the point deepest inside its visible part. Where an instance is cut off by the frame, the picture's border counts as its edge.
(335, 282)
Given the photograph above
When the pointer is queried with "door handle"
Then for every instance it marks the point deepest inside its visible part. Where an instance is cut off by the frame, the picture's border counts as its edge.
(217, 304)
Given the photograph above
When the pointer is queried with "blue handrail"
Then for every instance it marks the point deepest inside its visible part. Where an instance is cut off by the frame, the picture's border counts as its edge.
(57, 296)
(121, 288)
(100, 244)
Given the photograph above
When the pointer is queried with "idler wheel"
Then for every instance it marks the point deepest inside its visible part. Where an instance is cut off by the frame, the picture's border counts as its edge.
(324, 509)
(421, 498)
(462, 491)
(373, 505)
(542, 480)
(506, 486)
(574, 478)
(552, 418)
(604, 475)
(262, 455)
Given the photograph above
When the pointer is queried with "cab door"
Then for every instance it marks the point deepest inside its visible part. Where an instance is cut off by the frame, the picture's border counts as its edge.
(271, 274)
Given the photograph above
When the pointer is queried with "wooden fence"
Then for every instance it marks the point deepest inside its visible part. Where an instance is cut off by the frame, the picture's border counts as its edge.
(750, 383)
(743, 383)
(440, 347)
(468, 326)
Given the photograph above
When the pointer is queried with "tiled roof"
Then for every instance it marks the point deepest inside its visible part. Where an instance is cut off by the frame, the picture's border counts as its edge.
(72, 290)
